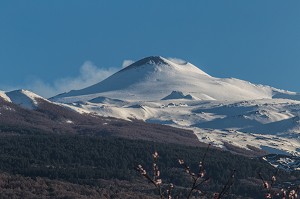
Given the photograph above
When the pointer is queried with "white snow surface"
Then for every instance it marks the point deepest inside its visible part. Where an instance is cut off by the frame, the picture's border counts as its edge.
(288, 163)
(24, 98)
(265, 123)
(179, 95)
(218, 110)
(30, 100)
(4, 96)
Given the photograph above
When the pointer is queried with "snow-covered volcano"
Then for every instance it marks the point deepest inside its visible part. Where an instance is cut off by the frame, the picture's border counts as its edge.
(155, 77)
(223, 111)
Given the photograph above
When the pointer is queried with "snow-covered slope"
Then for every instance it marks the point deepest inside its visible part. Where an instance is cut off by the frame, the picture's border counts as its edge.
(268, 124)
(179, 95)
(218, 110)
(153, 78)
(24, 98)
(288, 163)
(4, 96)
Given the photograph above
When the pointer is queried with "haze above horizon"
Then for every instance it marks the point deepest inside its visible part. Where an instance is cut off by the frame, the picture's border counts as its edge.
(54, 46)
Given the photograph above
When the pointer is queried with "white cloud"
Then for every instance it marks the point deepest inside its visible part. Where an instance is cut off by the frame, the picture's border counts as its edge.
(41, 88)
(89, 74)
(127, 63)
(177, 60)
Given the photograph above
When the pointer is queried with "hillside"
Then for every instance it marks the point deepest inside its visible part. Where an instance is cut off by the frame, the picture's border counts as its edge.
(51, 118)
(73, 166)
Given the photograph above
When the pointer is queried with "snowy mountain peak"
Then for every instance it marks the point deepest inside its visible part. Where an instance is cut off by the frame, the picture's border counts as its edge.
(24, 98)
(151, 60)
(153, 78)
(159, 63)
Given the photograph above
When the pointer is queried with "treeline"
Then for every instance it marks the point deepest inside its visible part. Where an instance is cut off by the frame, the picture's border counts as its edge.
(84, 160)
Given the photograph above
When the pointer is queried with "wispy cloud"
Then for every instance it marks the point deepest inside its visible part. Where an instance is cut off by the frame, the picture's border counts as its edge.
(177, 60)
(89, 74)
(127, 63)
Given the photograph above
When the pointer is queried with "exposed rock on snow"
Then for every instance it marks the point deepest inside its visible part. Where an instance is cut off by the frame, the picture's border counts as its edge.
(179, 95)
(285, 162)
(106, 100)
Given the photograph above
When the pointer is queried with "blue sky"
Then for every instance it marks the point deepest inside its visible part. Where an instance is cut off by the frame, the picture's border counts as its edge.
(53, 46)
